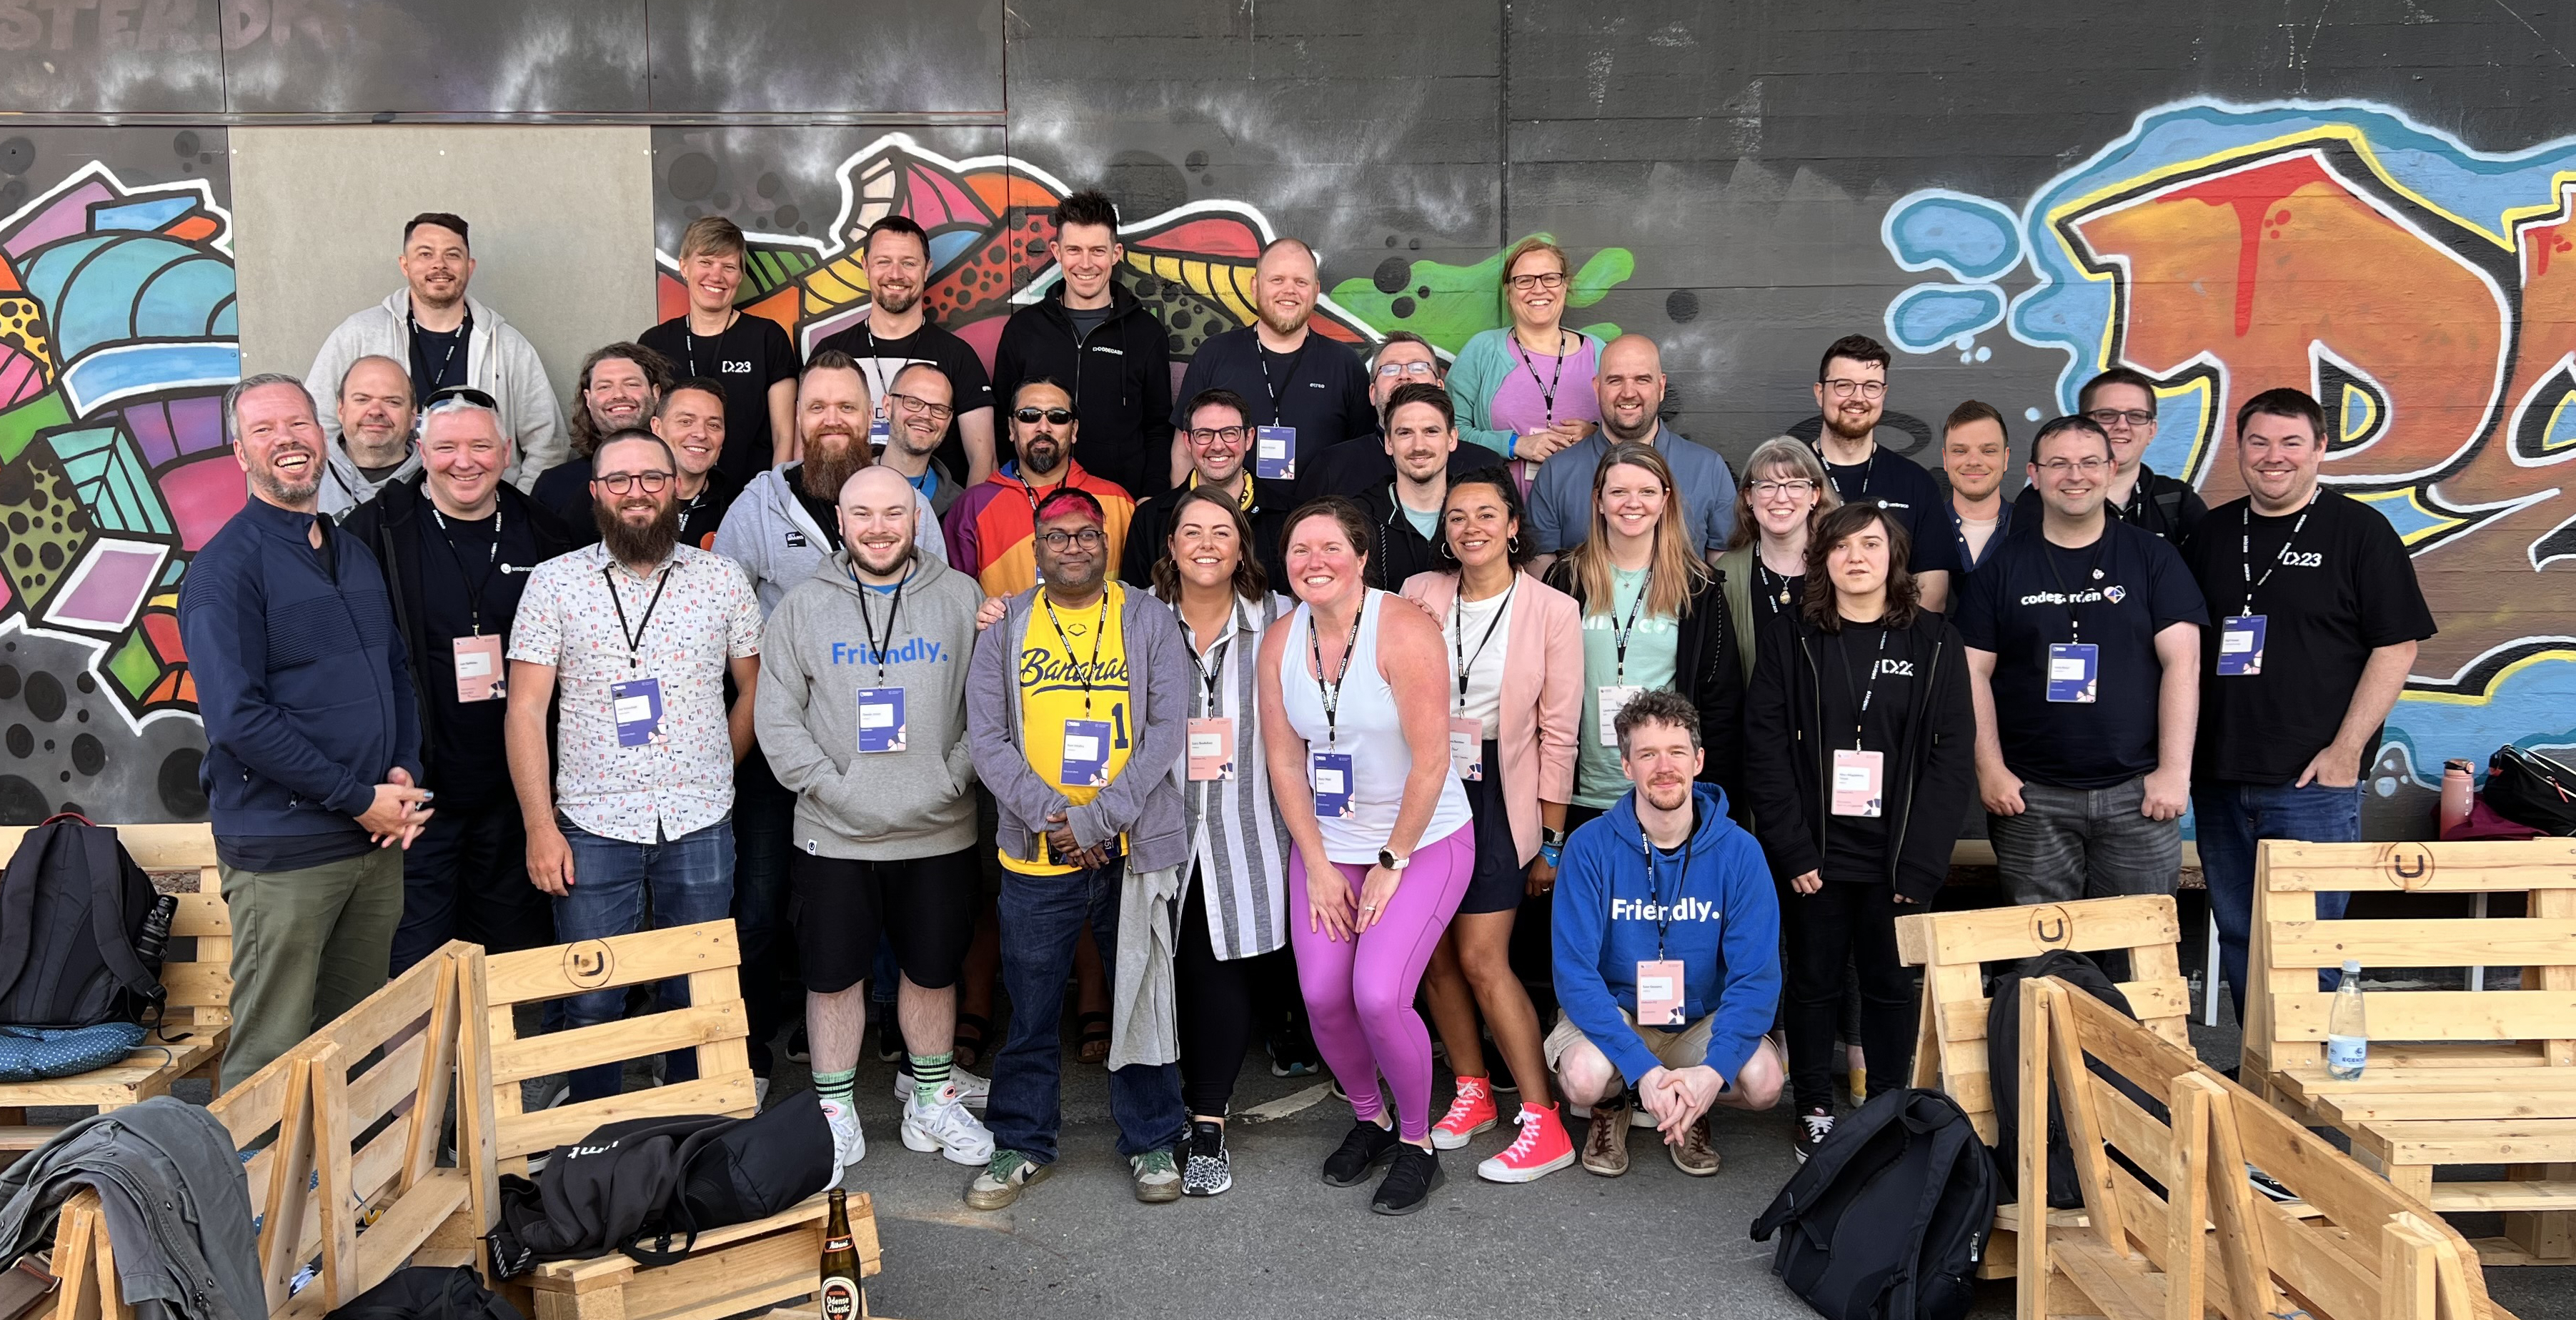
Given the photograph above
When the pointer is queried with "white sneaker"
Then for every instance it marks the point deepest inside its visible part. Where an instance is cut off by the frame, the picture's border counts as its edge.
(946, 1127)
(972, 1090)
(849, 1146)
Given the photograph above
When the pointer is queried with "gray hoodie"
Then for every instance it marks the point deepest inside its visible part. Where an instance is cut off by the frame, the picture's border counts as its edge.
(778, 543)
(498, 361)
(815, 655)
(345, 487)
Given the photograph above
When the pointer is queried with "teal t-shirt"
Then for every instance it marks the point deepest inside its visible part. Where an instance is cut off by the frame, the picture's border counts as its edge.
(1423, 522)
(1653, 644)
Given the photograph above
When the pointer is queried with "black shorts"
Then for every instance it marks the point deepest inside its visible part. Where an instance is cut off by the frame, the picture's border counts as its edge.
(1499, 880)
(924, 905)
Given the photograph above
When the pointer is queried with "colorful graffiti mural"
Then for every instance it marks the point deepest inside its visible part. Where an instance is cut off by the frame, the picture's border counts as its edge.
(2423, 290)
(988, 222)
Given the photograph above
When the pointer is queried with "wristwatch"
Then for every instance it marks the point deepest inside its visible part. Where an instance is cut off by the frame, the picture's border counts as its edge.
(1556, 837)
(1392, 862)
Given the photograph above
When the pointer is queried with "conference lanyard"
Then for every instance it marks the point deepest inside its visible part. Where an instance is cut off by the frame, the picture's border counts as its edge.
(1763, 576)
(689, 339)
(1099, 631)
(2048, 552)
(438, 378)
(1655, 889)
(1330, 693)
(1214, 670)
(1547, 389)
(1619, 639)
(867, 621)
(2245, 549)
(473, 588)
(1860, 698)
(635, 636)
(1458, 634)
(1287, 377)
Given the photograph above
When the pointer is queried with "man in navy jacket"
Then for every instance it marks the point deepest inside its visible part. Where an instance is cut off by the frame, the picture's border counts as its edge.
(312, 735)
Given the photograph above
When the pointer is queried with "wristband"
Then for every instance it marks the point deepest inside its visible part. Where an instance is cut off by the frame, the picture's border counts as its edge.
(1511, 444)
(1549, 852)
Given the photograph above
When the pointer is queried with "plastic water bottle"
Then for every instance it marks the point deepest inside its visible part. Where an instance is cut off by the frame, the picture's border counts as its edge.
(2347, 1040)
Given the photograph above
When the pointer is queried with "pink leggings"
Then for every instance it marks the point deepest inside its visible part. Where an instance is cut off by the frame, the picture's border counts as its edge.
(1359, 993)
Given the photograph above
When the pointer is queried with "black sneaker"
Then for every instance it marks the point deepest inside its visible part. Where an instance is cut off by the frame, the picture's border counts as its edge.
(1367, 1146)
(1409, 1181)
(1292, 1057)
(1813, 1127)
(798, 1049)
(1207, 1167)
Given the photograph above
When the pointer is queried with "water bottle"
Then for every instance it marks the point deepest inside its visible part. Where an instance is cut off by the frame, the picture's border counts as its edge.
(2347, 1040)
(2459, 794)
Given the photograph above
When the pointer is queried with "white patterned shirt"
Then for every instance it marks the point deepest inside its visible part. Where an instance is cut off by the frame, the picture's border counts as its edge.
(678, 783)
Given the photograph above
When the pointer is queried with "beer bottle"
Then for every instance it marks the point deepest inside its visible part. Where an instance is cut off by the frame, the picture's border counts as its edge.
(840, 1295)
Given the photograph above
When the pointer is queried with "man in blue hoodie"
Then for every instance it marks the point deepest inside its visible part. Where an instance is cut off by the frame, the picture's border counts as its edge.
(312, 735)
(1667, 952)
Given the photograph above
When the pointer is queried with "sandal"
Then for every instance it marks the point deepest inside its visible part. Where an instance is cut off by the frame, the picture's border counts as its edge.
(1094, 1043)
(968, 1042)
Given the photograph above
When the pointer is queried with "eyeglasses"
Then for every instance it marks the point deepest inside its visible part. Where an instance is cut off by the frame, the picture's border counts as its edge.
(619, 483)
(1391, 370)
(1089, 538)
(1550, 280)
(1223, 435)
(2106, 418)
(460, 395)
(937, 412)
(1798, 486)
(2058, 467)
(1867, 389)
(1030, 416)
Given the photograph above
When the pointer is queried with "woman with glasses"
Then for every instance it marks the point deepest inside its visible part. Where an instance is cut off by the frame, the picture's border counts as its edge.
(1515, 649)
(1525, 391)
(1764, 568)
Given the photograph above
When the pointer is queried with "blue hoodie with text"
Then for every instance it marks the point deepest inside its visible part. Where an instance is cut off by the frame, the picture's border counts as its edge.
(1723, 927)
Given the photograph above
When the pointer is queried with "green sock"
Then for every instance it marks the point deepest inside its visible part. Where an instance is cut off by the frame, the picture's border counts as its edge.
(929, 1074)
(841, 1088)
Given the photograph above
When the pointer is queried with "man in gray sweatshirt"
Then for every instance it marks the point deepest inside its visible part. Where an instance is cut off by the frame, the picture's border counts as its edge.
(861, 711)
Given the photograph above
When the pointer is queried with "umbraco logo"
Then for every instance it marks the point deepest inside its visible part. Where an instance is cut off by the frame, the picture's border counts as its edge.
(2410, 865)
(589, 964)
(2050, 927)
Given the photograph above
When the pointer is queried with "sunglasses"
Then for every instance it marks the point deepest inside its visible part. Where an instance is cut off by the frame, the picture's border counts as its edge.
(1030, 416)
(461, 394)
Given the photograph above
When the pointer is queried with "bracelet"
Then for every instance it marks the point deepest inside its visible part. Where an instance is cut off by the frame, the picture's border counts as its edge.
(1549, 852)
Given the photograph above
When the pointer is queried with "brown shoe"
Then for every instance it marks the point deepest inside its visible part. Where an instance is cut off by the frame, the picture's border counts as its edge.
(1605, 1148)
(1694, 1155)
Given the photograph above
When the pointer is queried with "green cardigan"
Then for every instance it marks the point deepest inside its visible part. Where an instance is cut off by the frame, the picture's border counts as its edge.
(1479, 372)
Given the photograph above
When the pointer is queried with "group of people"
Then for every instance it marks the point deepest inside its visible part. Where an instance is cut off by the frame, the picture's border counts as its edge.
(1469, 686)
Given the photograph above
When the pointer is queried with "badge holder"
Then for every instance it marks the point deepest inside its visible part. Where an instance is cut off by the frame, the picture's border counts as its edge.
(1274, 453)
(2073, 671)
(1659, 992)
(1211, 748)
(1331, 772)
(881, 721)
(478, 669)
(2240, 646)
(637, 706)
(1859, 782)
(1467, 749)
(1614, 700)
(1086, 753)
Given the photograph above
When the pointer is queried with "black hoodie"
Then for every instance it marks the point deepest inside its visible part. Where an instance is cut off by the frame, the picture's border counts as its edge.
(1120, 378)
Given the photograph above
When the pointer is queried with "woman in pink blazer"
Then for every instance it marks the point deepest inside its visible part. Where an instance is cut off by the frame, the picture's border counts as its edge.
(1516, 696)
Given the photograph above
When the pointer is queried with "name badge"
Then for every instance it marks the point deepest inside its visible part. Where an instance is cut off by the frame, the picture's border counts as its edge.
(1086, 753)
(1467, 749)
(1331, 776)
(637, 706)
(879, 431)
(880, 720)
(1212, 747)
(1659, 992)
(1858, 782)
(2073, 668)
(478, 669)
(2240, 646)
(1274, 453)
(1613, 700)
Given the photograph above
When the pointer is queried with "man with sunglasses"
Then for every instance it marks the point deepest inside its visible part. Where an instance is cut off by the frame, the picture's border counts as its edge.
(456, 545)
(639, 634)
(2122, 401)
(1306, 390)
(992, 530)
(374, 447)
(1108, 347)
(1221, 459)
(920, 403)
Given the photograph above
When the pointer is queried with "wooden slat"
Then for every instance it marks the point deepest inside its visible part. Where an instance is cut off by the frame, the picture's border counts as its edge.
(526, 1134)
(192, 984)
(2408, 1015)
(153, 847)
(609, 1042)
(2346, 1110)
(392, 1079)
(2151, 1001)
(2475, 1141)
(535, 975)
(389, 1242)
(1993, 934)
(2110, 1281)
(2135, 1133)
(2455, 868)
(2453, 1198)
(202, 916)
(2438, 942)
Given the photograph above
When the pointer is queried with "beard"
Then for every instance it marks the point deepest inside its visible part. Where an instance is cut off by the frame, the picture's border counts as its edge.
(865, 558)
(631, 544)
(280, 491)
(1281, 327)
(830, 461)
(1834, 423)
(895, 302)
(1042, 458)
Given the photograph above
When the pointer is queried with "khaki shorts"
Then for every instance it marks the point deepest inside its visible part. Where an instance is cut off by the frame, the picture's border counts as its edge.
(1686, 1048)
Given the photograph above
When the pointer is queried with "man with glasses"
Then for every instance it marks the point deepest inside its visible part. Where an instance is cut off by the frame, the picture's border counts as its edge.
(692, 421)
(919, 404)
(1630, 385)
(1107, 346)
(1306, 391)
(2122, 401)
(639, 633)
(374, 448)
(456, 544)
(1220, 458)
(992, 529)
(895, 334)
(1851, 396)
(1074, 715)
(2084, 667)
(1351, 471)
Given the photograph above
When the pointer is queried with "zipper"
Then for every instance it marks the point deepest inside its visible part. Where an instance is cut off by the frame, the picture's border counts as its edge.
(1922, 702)
(1824, 752)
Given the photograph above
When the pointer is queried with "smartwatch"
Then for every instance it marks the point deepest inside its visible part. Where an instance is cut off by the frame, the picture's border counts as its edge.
(1392, 862)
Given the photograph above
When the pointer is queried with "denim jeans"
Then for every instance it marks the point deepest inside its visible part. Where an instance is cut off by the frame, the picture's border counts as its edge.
(2071, 843)
(466, 878)
(2229, 818)
(1042, 918)
(681, 881)
(764, 829)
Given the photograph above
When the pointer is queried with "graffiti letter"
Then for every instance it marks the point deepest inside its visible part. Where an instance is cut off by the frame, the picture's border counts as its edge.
(243, 21)
(19, 29)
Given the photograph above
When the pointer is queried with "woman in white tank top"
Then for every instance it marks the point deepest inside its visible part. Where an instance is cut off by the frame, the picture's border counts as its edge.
(1351, 685)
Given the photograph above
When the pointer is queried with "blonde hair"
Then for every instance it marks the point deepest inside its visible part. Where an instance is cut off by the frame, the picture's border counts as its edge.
(1676, 571)
(1780, 453)
(714, 233)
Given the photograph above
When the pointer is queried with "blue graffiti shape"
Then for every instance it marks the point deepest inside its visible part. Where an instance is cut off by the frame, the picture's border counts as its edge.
(1928, 316)
(1970, 237)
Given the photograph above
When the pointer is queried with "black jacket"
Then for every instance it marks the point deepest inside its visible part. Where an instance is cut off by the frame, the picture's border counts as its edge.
(1396, 551)
(1930, 780)
(1120, 379)
(1706, 671)
(390, 525)
(1149, 537)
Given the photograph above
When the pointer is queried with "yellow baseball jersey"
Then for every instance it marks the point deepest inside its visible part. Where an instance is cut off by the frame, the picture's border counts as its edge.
(1058, 653)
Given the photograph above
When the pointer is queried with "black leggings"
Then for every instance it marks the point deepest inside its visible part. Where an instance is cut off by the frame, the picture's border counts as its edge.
(1845, 926)
(1215, 1004)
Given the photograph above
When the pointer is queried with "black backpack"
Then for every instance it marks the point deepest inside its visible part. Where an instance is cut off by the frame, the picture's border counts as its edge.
(73, 915)
(1888, 1219)
(425, 1292)
(2003, 1069)
(650, 1180)
(2528, 788)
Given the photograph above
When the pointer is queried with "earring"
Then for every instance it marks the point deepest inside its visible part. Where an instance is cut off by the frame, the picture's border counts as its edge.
(1513, 546)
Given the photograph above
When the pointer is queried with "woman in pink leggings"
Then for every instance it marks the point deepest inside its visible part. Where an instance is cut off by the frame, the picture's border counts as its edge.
(1350, 685)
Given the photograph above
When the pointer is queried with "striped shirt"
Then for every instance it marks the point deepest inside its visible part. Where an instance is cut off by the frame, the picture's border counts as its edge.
(1237, 841)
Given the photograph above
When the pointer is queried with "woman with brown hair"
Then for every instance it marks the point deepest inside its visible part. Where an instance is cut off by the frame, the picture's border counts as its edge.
(1860, 759)
(1783, 493)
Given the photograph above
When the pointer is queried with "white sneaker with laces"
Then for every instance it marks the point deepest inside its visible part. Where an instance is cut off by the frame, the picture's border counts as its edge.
(849, 1146)
(972, 1090)
(946, 1127)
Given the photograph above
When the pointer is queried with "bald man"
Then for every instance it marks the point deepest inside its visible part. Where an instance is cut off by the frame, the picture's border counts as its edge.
(1630, 386)
(1307, 393)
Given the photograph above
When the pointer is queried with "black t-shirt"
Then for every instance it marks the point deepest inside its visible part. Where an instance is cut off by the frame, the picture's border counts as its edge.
(2115, 594)
(1087, 319)
(1322, 390)
(822, 511)
(970, 386)
(460, 569)
(1352, 470)
(2166, 506)
(438, 358)
(751, 355)
(1898, 485)
(1864, 677)
(2344, 587)
(1776, 600)
(700, 517)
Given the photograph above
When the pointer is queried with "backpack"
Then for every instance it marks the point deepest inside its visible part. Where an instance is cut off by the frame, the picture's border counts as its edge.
(2003, 1068)
(423, 1292)
(2530, 789)
(73, 915)
(1888, 1218)
(641, 1180)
